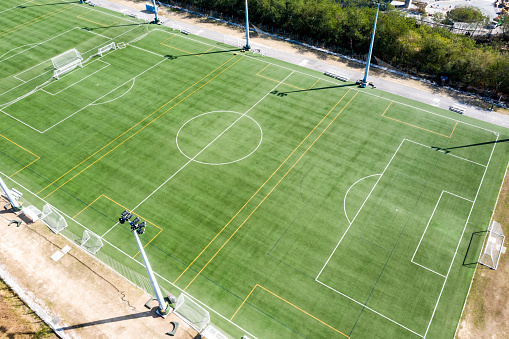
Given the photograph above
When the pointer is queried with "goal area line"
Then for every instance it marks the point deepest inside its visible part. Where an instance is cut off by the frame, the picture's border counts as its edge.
(455, 253)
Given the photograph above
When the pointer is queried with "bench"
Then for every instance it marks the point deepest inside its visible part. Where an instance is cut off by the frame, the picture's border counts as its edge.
(31, 212)
(185, 31)
(339, 76)
(457, 108)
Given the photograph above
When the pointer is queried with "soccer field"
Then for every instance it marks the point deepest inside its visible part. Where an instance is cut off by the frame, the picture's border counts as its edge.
(284, 202)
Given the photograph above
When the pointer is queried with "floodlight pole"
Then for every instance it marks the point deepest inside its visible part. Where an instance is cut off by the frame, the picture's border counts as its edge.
(365, 80)
(247, 30)
(164, 309)
(156, 20)
(16, 207)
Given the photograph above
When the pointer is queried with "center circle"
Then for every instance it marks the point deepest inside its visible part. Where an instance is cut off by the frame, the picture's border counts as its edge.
(219, 137)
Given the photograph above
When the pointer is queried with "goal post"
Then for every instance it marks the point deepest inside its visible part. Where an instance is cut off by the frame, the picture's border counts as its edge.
(493, 246)
(106, 48)
(91, 242)
(54, 220)
(66, 62)
(196, 316)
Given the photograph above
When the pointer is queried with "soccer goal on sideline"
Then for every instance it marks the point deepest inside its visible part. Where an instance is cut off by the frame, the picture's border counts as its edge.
(91, 242)
(66, 62)
(493, 247)
(106, 48)
(54, 220)
(196, 316)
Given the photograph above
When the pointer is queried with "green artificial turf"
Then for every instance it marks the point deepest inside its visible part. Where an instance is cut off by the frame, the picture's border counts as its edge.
(289, 203)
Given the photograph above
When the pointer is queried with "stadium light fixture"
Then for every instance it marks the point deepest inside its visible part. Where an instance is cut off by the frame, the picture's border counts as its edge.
(138, 227)
(364, 82)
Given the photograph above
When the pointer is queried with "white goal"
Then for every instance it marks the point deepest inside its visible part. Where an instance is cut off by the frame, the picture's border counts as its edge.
(51, 218)
(91, 242)
(192, 313)
(66, 62)
(493, 246)
(106, 48)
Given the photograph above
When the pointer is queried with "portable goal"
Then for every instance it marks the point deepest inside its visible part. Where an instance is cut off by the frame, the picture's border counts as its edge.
(51, 218)
(66, 62)
(192, 313)
(493, 246)
(106, 48)
(91, 242)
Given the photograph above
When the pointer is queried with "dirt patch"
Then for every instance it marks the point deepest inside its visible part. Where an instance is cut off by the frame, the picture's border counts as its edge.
(17, 320)
(486, 312)
(90, 300)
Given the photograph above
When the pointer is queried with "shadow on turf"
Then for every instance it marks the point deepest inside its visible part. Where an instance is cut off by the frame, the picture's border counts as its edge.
(282, 94)
(173, 57)
(106, 27)
(55, 3)
(471, 256)
(447, 150)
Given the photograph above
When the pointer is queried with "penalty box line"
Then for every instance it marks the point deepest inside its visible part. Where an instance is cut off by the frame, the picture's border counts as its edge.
(461, 237)
(139, 122)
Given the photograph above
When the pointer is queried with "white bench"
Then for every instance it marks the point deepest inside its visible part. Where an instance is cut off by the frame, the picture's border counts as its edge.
(185, 31)
(32, 212)
(339, 76)
(457, 108)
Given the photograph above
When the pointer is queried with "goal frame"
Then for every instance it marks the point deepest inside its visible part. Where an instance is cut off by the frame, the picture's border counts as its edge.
(492, 249)
(89, 236)
(104, 49)
(189, 312)
(60, 224)
(66, 62)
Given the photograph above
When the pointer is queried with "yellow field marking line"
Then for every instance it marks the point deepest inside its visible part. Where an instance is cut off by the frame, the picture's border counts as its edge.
(178, 49)
(125, 208)
(24, 149)
(313, 85)
(282, 83)
(35, 20)
(79, 16)
(206, 51)
(424, 129)
(258, 190)
(273, 188)
(289, 303)
(148, 124)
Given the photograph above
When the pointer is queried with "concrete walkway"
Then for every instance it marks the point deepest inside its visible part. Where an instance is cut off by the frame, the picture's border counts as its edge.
(322, 66)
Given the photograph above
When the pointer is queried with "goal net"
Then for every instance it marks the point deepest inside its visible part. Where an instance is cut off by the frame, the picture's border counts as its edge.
(493, 246)
(192, 313)
(91, 242)
(66, 62)
(106, 48)
(54, 220)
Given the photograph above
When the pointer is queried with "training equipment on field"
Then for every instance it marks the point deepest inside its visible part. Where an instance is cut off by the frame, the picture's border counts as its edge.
(66, 62)
(51, 218)
(106, 48)
(493, 246)
(91, 242)
(192, 313)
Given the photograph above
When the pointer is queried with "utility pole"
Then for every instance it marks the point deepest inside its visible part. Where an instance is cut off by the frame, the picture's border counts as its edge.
(247, 47)
(368, 62)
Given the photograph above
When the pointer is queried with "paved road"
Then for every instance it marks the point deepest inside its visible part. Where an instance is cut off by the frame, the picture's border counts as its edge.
(321, 66)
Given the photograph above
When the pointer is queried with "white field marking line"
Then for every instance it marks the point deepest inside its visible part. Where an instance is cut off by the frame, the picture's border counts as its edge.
(116, 37)
(35, 43)
(473, 162)
(105, 13)
(120, 96)
(369, 308)
(118, 249)
(13, 88)
(47, 129)
(77, 82)
(346, 194)
(146, 50)
(24, 123)
(14, 7)
(210, 143)
(340, 240)
(425, 229)
(480, 253)
(462, 233)
(23, 81)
